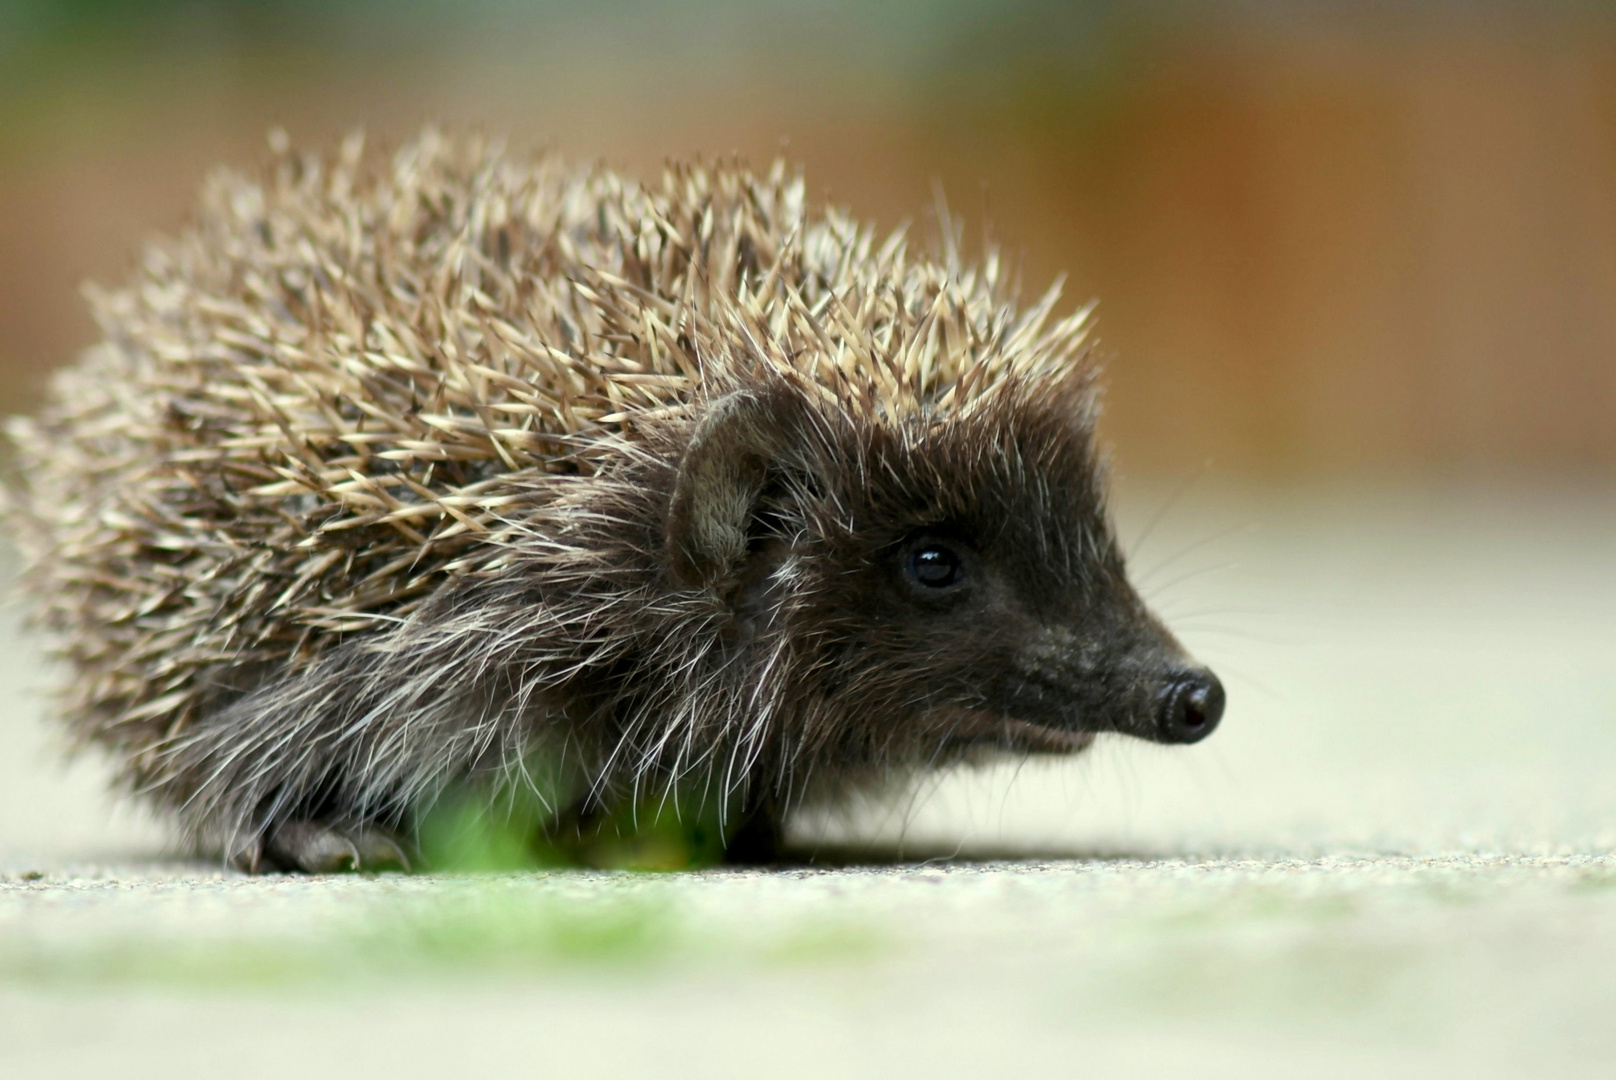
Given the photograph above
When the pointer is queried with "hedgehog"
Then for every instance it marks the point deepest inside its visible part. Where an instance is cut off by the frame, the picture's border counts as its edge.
(454, 470)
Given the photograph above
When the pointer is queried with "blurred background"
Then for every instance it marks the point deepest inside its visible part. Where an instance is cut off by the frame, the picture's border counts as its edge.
(1328, 239)
(1356, 266)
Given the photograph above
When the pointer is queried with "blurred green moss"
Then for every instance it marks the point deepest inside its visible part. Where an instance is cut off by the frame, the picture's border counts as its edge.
(521, 829)
(497, 927)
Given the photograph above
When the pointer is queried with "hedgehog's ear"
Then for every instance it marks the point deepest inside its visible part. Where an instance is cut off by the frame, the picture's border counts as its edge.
(724, 469)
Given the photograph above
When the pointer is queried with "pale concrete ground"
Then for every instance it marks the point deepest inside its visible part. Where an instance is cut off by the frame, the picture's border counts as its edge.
(1394, 860)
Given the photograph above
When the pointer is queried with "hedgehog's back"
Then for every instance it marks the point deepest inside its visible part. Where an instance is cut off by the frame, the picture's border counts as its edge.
(310, 411)
(308, 407)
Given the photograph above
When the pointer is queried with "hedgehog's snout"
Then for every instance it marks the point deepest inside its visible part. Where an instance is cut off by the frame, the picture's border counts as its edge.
(1189, 708)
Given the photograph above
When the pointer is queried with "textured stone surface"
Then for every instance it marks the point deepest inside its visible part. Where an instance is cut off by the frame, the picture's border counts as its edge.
(1394, 860)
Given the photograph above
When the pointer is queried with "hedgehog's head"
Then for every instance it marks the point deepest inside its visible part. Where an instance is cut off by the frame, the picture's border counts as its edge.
(921, 583)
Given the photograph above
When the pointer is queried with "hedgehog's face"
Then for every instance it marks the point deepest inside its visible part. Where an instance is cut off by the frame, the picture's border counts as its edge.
(939, 585)
(1008, 643)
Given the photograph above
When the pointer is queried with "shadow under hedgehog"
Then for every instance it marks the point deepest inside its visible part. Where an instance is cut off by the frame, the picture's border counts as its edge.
(394, 478)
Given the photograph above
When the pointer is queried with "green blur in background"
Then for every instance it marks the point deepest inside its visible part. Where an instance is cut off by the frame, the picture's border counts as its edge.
(1328, 239)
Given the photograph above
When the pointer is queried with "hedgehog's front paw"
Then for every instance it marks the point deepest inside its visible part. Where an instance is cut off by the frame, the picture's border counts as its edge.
(314, 848)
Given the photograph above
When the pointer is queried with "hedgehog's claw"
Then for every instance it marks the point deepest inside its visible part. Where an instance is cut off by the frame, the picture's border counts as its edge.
(314, 848)
(249, 857)
(380, 850)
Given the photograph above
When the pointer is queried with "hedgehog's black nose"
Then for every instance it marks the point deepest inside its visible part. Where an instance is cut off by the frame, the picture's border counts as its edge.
(1190, 708)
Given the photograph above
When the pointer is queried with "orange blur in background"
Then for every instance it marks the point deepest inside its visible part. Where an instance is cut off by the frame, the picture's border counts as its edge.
(1325, 244)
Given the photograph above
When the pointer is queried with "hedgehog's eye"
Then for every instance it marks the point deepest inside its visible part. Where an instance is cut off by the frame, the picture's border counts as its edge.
(936, 566)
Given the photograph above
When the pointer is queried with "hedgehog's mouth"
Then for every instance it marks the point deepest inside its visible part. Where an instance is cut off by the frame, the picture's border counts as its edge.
(1044, 740)
(987, 729)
